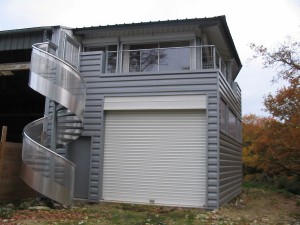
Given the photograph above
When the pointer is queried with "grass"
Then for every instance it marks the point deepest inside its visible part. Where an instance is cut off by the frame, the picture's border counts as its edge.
(266, 186)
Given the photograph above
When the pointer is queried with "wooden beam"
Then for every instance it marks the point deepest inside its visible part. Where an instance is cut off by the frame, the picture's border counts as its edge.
(14, 66)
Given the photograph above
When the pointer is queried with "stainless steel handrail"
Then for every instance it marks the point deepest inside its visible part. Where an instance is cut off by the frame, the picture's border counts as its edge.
(39, 142)
(207, 57)
(43, 169)
(59, 76)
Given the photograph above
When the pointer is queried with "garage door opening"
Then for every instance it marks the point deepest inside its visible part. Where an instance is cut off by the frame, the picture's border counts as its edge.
(155, 156)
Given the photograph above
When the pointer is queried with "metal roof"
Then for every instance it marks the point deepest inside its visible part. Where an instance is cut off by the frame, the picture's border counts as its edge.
(23, 38)
(219, 21)
(200, 21)
(9, 38)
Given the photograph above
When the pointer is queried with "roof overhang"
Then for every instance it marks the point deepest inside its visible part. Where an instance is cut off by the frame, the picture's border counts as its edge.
(20, 39)
(215, 28)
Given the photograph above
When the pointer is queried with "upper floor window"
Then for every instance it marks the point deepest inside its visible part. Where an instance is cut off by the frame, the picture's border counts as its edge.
(223, 110)
(159, 57)
(162, 56)
(232, 124)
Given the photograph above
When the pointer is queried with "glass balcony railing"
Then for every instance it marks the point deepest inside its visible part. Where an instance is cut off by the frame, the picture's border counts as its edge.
(164, 60)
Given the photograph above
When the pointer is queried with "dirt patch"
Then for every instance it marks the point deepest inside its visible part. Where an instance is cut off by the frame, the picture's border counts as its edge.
(253, 206)
(259, 206)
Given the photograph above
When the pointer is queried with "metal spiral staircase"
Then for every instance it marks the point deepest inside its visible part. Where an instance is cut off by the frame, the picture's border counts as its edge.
(43, 169)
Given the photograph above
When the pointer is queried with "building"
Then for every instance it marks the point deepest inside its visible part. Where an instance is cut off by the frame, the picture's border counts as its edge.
(159, 123)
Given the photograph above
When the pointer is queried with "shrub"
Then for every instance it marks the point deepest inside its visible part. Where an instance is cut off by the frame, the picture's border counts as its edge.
(6, 213)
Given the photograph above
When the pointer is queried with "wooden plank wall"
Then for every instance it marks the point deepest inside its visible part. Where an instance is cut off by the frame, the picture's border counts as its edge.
(11, 185)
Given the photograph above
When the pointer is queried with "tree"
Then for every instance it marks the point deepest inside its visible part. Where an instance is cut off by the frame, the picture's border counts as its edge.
(275, 143)
(286, 58)
(264, 151)
(252, 131)
(285, 104)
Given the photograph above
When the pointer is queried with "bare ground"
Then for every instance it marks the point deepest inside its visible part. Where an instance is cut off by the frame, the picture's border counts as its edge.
(253, 206)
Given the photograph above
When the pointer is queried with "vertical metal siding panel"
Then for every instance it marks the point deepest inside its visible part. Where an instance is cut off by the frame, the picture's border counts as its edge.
(32, 39)
(2, 43)
(14, 42)
(40, 37)
(20, 43)
(55, 35)
(26, 41)
(7, 45)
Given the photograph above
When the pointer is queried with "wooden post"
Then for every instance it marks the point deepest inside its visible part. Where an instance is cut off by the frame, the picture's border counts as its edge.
(3, 135)
(2, 146)
(2, 143)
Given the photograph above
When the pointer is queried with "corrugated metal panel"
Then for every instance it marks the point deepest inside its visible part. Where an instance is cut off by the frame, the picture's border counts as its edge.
(155, 156)
(12, 40)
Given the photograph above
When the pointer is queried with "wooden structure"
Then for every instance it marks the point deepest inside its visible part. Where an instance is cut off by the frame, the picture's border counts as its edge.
(11, 185)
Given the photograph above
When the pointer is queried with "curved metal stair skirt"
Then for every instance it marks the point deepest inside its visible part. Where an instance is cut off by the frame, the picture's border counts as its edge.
(43, 169)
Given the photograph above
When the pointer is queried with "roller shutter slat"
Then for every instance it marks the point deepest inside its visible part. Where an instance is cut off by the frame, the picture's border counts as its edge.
(155, 155)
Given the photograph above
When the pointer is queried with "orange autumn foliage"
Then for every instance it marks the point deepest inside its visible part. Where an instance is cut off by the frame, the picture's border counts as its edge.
(272, 145)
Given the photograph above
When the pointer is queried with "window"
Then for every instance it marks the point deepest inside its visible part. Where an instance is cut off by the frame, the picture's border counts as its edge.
(143, 58)
(175, 56)
(223, 126)
(232, 124)
(164, 56)
(239, 130)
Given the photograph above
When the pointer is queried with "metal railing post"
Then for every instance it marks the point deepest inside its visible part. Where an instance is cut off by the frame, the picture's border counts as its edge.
(214, 57)
(158, 58)
(201, 57)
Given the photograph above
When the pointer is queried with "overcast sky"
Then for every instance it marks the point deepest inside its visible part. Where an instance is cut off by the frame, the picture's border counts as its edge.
(266, 22)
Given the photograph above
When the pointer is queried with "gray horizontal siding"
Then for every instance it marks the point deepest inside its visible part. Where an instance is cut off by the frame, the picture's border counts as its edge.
(188, 82)
(212, 153)
(237, 90)
(230, 169)
(93, 115)
(230, 97)
(230, 152)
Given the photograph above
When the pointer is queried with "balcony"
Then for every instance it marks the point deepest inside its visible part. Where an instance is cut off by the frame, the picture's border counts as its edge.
(165, 60)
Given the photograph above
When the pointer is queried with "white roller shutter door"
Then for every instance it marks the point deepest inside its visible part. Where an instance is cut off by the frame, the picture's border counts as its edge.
(156, 156)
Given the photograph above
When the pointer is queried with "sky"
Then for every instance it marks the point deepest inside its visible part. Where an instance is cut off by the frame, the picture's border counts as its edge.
(266, 22)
